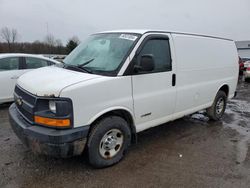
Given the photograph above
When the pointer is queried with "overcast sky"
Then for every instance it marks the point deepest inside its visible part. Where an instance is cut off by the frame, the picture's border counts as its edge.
(65, 18)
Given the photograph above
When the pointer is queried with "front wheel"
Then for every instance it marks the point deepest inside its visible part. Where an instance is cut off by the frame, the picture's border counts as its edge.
(108, 141)
(216, 111)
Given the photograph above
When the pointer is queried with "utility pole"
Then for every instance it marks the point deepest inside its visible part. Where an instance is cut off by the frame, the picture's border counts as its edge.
(47, 27)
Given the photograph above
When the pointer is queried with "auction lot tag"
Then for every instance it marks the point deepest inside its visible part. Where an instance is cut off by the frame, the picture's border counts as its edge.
(128, 37)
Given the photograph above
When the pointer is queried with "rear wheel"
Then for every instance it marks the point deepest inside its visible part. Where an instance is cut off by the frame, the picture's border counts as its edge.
(108, 141)
(216, 111)
(247, 79)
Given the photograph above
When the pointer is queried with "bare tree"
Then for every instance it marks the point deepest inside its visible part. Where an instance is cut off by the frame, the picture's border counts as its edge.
(51, 42)
(14, 35)
(10, 36)
(58, 43)
(37, 42)
(6, 34)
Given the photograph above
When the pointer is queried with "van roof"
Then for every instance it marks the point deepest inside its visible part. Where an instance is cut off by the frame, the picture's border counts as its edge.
(143, 31)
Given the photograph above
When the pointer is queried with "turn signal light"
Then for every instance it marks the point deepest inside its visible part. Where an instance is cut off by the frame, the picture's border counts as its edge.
(52, 122)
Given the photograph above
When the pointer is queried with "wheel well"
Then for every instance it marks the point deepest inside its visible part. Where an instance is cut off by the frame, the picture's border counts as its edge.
(126, 116)
(225, 88)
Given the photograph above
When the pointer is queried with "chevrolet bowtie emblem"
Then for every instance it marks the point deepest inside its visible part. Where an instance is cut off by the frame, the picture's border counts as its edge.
(19, 101)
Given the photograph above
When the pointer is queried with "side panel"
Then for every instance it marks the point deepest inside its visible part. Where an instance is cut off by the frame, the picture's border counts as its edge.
(95, 97)
(203, 65)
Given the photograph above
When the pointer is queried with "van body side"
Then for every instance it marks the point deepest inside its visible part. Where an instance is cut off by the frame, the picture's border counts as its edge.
(204, 65)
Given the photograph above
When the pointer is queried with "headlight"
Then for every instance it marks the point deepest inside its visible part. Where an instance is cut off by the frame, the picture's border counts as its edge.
(60, 108)
(52, 106)
(54, 112)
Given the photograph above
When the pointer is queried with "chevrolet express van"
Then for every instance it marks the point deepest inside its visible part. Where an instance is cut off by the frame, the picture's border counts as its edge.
(118, 83)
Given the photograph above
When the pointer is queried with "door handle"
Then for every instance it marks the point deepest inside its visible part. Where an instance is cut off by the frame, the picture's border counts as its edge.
(14, 77)
(173, 79)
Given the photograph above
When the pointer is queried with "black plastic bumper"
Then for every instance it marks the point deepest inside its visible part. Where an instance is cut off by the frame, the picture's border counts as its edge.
(48, 141)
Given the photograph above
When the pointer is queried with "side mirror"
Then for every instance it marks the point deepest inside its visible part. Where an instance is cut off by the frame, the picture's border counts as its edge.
(146, 64)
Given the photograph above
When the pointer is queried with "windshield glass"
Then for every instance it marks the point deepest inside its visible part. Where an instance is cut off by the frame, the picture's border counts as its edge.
(102, 53)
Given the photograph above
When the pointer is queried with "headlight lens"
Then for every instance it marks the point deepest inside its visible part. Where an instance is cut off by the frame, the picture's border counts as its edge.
(54, 112)
(52, 106)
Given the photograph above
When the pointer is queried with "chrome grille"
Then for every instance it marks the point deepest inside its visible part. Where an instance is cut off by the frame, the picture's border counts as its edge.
(25, 103)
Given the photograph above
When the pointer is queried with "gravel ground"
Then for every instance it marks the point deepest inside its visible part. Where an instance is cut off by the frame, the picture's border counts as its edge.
(190, 152)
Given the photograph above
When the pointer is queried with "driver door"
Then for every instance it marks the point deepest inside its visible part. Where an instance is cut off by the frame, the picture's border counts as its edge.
(154, 92)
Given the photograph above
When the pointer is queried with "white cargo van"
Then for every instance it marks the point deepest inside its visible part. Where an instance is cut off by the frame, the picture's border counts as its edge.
(118, 83)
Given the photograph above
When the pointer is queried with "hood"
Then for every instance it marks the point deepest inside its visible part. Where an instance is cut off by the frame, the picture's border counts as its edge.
(50, 81)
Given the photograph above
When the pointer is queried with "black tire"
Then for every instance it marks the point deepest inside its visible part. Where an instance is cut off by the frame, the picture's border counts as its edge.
(101, 129)
(213, 112)
(247, 79)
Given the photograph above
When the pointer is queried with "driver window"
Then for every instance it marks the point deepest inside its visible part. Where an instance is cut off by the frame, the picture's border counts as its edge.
(160, 50)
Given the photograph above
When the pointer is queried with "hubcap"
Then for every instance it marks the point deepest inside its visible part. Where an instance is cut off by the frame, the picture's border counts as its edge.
(220, 106)
(111, 143)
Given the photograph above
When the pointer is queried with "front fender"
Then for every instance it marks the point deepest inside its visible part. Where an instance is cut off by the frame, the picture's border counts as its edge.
(94, 98)
(100, 114)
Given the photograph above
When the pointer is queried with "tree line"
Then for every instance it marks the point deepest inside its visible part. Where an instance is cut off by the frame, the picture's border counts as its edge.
(9, 43)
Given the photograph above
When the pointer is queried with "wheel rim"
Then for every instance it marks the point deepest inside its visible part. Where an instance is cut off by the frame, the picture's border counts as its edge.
(111, 143)
(220, 106)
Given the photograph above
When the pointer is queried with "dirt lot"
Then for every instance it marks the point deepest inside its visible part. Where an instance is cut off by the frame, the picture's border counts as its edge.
(190, 152)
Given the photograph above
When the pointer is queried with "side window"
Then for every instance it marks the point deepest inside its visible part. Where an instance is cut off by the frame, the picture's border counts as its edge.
(160, 50)
(11, 63)
(33, 63)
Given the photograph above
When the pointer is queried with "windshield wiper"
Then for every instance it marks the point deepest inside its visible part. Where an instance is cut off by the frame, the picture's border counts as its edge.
(75, 67)
(79, 67)
(86, 63)
(84, 69)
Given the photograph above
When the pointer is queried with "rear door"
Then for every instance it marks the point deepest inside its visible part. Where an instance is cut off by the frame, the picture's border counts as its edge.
(10, 70)
(154, 92)
(34, 63)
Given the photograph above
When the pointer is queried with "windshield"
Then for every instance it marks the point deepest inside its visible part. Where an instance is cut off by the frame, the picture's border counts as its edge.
(102, 53)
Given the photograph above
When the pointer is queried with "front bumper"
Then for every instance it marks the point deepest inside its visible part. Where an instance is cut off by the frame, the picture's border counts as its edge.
(247, 74)
(48, 141)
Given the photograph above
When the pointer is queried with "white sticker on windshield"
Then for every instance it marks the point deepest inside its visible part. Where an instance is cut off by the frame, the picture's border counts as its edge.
(128, 37)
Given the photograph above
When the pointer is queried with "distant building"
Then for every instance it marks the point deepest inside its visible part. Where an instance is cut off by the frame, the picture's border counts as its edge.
(243, 49)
